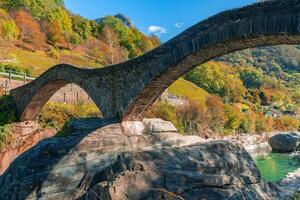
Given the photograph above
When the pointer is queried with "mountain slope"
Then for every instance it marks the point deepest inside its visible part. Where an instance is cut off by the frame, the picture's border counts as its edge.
(273, 59)
(47, 31)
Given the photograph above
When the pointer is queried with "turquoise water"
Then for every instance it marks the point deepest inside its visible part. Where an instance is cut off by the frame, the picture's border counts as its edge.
(275, 167)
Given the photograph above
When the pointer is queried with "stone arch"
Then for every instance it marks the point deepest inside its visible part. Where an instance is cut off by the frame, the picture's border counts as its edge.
(31, 98)
(263, 24)
(126, 90)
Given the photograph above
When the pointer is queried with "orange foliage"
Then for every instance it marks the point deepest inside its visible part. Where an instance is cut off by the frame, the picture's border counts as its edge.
(215, 107)
(30, 29)
(192, 118)
(55, 34)
(286, 123)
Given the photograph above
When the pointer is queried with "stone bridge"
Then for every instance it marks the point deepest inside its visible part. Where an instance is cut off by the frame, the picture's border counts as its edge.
(127, 89)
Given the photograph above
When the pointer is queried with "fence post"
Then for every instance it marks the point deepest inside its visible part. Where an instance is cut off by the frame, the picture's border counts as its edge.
(24, 78)
(9, 75)
(6, 87)
(77, 96)
(64, 97)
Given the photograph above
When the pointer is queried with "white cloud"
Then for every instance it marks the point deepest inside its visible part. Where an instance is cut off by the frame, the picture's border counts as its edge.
(179, 25)
(157, 30)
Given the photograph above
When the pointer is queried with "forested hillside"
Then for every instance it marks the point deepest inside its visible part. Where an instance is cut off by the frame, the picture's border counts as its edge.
(51, 34)
(274, 59)
(241, 99)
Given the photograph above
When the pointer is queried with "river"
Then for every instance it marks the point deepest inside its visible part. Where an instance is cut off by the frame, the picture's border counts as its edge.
(274, 166)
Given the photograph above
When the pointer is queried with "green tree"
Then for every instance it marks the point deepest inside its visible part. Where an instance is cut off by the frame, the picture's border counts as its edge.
(8, 28)
(131, 38)
(219, 79)
(82, 27)
(39, 9)
(251, 77)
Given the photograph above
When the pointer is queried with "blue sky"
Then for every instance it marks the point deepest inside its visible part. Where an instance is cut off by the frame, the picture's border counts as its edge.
(165, 18)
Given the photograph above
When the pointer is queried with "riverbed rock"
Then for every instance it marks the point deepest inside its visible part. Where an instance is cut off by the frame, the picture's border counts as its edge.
(291, 184)
(107, 164)
(156, 125)
(178, 140)
(213, 170)
(285, 142)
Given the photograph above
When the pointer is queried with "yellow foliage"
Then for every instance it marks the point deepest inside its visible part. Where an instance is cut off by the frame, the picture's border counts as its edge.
(55, 114)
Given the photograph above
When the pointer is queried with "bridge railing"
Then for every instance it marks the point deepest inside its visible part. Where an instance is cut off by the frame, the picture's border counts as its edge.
(10, 74)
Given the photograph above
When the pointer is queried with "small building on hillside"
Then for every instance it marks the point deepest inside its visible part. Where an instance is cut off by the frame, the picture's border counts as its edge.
(173, 99)
(273, 112)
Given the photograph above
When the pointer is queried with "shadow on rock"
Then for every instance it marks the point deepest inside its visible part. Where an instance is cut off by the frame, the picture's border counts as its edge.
(42, 166)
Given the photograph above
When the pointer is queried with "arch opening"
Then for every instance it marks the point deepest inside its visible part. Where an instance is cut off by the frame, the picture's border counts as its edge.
(158, 85)
(232, 95)
(59, 101)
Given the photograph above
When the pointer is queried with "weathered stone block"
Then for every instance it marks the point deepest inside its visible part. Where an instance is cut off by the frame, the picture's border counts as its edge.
(157, 125)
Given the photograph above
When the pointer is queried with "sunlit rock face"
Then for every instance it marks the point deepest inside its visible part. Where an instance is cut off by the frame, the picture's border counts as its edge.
(213, 170)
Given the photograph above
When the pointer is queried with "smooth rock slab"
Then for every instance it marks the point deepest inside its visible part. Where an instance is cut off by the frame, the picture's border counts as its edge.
(213, 170)
(156, 125)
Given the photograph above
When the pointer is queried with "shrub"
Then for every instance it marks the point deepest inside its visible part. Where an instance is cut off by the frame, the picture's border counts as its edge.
(56, 115)
(247, 124)
(54, 53)
(164, 111)
(8, 111)
(5, 136)
(215, 108)
(8, 28)
(192, 118)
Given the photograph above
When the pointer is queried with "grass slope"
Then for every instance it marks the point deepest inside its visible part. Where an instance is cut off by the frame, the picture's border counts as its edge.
(186, 88)
(38, 62)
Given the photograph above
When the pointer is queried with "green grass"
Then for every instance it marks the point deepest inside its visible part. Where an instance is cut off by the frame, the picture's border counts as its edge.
(39, 61)
(186, 88)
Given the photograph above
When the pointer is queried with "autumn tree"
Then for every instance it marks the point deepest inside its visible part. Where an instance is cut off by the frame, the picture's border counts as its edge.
(218, 79)
(215, 108)
(55, 34)
(192, 118)
(234, 118)
(30, 29)
(155, 40)
(39, 9)
(130, 38)
(115, 51)
(8, 28)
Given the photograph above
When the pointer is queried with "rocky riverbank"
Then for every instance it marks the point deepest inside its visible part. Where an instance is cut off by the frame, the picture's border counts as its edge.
(136, 160)
(25, 136)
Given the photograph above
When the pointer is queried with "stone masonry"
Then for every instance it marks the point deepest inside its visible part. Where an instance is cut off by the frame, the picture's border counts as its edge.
(126, 90)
